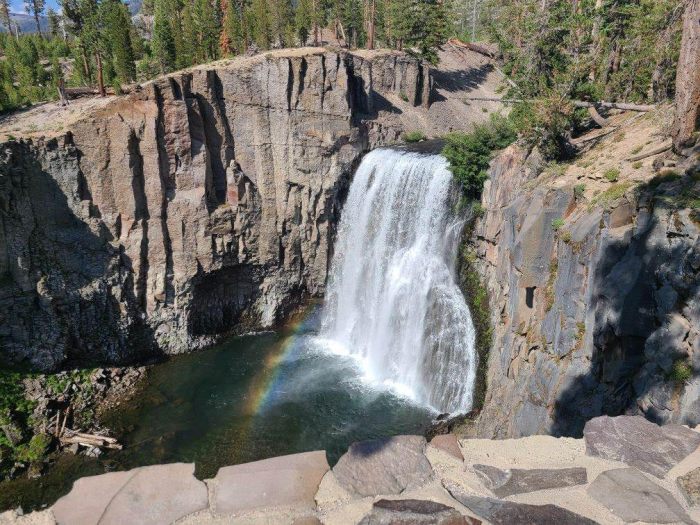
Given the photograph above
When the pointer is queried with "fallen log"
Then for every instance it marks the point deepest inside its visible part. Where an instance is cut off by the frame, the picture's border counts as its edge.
(71, 437)
(472, 47)
(655, 151)
(578, 103)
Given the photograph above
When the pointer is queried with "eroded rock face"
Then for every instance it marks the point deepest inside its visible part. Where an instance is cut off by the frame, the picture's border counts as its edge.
(202, 204)
(591, 319)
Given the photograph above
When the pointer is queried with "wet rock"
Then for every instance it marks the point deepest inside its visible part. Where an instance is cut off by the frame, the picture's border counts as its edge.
(448, 443)
(632, 497)
(414, 512)
(147, 495)
(384, 466)
(282, 481)
(639, 443)
(499, 512)
(690, 486)
(504, 483)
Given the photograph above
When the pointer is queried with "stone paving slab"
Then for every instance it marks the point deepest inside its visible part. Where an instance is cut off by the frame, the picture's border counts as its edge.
(639, 443)
(502, 512)
(449, 444)
(690, 486)
(504, 483)
(148, 495)
(282, 481)
(384, 466)
(414, 512)
(632, 496)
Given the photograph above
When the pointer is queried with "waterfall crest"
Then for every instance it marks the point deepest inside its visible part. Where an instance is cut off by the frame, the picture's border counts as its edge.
(392, 298)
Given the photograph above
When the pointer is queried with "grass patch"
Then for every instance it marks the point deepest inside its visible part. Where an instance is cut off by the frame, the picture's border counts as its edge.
(681, 372)
(414, 136)
(610, 195)
(637, 165)
(612, 174)
(557, 224)
(579, 190)
(637, 149)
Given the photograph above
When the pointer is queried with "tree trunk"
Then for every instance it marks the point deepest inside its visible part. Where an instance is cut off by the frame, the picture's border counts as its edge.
(688, 79)
(100, 79)
(38, 24)
(370, 38)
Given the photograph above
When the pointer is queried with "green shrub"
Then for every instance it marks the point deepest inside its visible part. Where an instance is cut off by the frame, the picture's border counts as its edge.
(637, 165)
(557, 224)
(664, 177)
(478, 210)
(403, 96)
(469, 154)
(413, 136)
(579, 190)
(681, 371)
(612, 174)
(36, 449)
(566, 236)
(637, 149)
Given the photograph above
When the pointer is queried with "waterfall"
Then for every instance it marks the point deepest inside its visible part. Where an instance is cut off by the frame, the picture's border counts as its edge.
(392, 299)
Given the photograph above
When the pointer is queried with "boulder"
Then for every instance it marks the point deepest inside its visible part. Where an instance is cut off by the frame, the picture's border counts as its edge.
(449, 444)
(499, 512)
(384, 466)
(504, 483)
(147, 495)
(690, 486)
(291, 480)
(639, 443)
(632, 497)
(414, 512)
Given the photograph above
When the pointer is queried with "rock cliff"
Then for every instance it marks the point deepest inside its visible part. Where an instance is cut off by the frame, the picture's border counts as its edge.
(202, 204)
(592, 271)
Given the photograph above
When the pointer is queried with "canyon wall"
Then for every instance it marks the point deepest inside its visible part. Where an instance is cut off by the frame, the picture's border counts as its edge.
(202, 204)
(593, 287)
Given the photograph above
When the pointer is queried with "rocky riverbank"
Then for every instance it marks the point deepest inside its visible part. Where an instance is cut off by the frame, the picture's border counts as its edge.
(623, 470)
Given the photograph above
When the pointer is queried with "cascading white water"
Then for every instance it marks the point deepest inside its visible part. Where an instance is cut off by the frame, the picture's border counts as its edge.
(392, 298)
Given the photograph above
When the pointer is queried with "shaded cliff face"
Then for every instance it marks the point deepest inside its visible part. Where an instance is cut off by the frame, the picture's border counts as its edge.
(202, 204)
(595, 295)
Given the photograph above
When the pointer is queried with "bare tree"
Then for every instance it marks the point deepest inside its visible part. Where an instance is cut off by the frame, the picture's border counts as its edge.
(688, 78)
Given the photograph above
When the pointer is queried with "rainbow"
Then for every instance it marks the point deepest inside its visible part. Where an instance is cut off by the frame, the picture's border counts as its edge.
(267, 381)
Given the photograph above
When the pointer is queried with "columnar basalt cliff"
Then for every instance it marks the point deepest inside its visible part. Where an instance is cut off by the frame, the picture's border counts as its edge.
(594, 288)
(202, 204)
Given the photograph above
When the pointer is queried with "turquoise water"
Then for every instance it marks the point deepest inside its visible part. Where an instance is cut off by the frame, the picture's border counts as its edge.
(249, 398)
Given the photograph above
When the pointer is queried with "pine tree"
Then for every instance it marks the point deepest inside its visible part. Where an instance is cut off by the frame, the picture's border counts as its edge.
(232, 39)
(186, 46)
(116, 24)
(258, 19)
(281, 22)
(205, 16)
(5, 15)
(303, 20)
(35, 8)
(163, 40)
(54, 23)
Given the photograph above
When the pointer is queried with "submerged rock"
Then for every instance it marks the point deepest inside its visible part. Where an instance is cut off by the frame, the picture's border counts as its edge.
(631, 496)
(639, 443)
(384, 466)
(504, 483)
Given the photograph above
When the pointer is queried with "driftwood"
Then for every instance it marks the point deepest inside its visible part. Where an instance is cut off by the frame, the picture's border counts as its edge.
(656, 151)
(71, 437)
(578, 103)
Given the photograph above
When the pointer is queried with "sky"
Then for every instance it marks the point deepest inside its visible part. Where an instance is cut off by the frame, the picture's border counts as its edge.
(17, 6)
